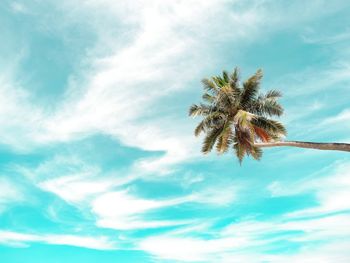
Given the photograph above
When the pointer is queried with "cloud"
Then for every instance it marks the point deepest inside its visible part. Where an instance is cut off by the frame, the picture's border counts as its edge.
(252, 241)
(190, 249)
(108, 197)
(10, 193)
(312, 37)
(330, 186)
(74, 188)
(135, 78)
(18, 7)
(332, 252)
(21, 239)
(248, 239)
(9, 190)
(342, 118)
(18, 117)
(69, 177)
(121, 210)
(330, 191)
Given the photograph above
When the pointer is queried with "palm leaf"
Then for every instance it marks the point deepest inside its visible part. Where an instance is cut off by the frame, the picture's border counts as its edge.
(212, 120)
(210, 139)
(266, 107)
(262, 134)
(225, 76)
(273, 94)
(250, 88)
(201, 109)
(209, 85)
(256, 153)
(219, 81)
(208, 98)
(239, 150)
(224, 139)
(274, 128)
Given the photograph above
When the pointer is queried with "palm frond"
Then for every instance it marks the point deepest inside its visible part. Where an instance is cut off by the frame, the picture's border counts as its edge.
(212, 120)
(226, 98)
(200, 109)
(239, 150)
(261, 134)
(210, 139)
(208, 98)
(250, 88)
(219, 81)
(200, 128)
(225, 76)
(256, 152)
(234, 84)
(271, 107)
(265, 107)
(273, 128)
(234, 77)
(224, 139)
(243, 119)
(209, 85)
(273, 94)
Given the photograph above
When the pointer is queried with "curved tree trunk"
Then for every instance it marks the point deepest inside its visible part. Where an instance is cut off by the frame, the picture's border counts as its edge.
(312, 145)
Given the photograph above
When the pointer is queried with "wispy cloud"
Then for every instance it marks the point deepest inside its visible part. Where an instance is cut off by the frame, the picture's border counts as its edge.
(22, 239)
(120, 210)
(10, 193)
(190, 249)
(330, 187)
(249, 240)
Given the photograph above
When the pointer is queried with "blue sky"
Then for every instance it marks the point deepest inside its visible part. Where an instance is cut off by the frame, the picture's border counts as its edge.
(98, 162)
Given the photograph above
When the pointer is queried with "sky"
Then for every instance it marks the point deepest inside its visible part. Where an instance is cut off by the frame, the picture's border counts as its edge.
(98, 161)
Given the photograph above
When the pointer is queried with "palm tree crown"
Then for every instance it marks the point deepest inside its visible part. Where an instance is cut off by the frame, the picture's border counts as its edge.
(236, 114)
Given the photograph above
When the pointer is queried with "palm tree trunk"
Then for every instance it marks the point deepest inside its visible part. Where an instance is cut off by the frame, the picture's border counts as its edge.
(312, 145)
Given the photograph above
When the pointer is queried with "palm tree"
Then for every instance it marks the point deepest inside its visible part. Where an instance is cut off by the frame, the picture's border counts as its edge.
(239, 116)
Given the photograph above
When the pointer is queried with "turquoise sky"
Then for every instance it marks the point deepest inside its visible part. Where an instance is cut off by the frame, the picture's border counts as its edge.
(98, 162)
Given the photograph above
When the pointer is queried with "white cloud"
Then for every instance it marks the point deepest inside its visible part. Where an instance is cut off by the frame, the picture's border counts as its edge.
(308, 93)
(18, 7)
(10, 193)
(131, 81)
(318, 229)
(21, 239)
(191, 249)
(324, 253)
(251, 241)
(332, 252)
(326, 228)
(216, 195)
(330, 186)
(313, 37)
(342, 118)
(76, 188)
(69, 177)
(18, 118)
(85, 186)
(121, 210)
